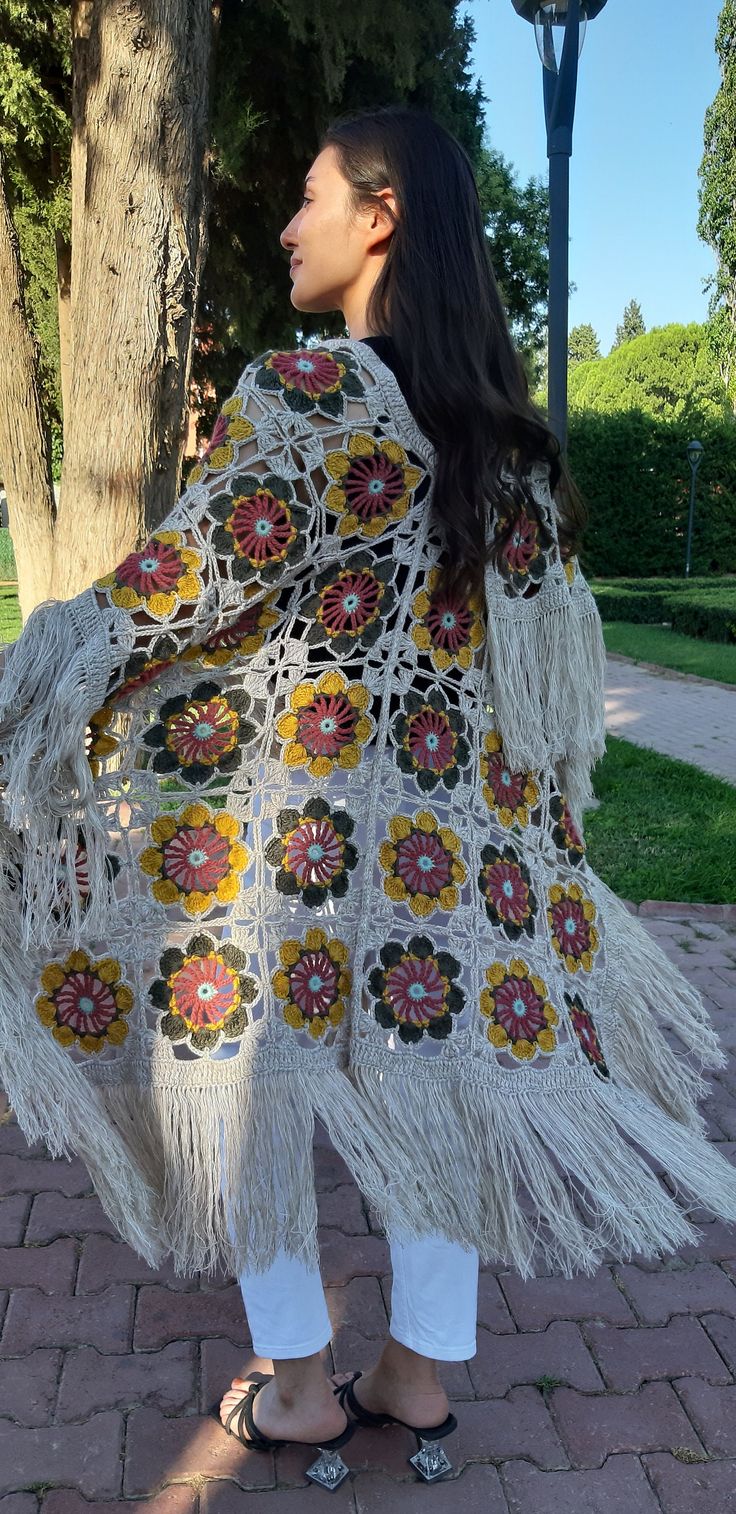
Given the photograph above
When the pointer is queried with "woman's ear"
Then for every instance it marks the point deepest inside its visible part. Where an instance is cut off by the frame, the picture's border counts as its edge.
(381, 225)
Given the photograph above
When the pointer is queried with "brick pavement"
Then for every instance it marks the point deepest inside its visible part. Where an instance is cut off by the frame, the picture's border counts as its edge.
(673, 713)
(607, 1395)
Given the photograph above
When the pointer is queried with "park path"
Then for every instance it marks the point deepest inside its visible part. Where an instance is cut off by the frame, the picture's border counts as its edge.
(673, 713)
(107, 1368)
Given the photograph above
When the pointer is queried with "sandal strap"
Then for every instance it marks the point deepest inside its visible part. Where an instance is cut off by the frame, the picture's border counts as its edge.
(363, 1415)
(244, 1411)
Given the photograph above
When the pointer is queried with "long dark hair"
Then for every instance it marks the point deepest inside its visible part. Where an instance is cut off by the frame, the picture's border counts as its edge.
(437, 297)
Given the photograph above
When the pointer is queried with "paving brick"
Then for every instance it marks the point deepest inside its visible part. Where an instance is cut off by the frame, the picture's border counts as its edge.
(14, 1212)
(518, 1425)
(50, 1268)
(359, 1306)
(493, 1311)
(594, 1426)
(163, 1315)
(559, 1351)
(619, 1487)
(28, 1386)
(19, 1503)
(91, 1381)
(53, 1215)
(656, 1296)
(104, 1260)
(221, 1361)
(221, 1497)
(161, 1449)
(342, 1208)
(701, 1488)
(35, 1174)
(534, 1303)
(177, 1498)
(37, 1319)
(722, 1331)
(718, 1242)
(330, 1171)
(722, 1107)
(343, 1257)
(713, 1413)
(628, 1358)
(87, 1457)
(14, 1143)
(476, 1489)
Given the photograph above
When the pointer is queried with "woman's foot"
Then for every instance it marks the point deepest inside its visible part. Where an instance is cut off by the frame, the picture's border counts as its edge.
(314, 1417)
(383, 1393)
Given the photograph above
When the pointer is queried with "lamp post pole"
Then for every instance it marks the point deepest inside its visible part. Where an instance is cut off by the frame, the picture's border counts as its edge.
(694, 457)
(560, 88)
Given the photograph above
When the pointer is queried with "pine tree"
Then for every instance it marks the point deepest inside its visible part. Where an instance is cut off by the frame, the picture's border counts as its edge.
(631, 326)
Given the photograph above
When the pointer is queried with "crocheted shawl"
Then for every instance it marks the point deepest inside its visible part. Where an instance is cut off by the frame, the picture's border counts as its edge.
(290, 832)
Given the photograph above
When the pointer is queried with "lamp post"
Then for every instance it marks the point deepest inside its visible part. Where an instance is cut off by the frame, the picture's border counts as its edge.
(694, 457)
(560, 84)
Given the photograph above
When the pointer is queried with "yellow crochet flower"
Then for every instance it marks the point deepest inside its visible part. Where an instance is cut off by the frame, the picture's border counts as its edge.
(571, 568)
(570, 918)
(312, 981)
(163, 574)
(100, 743)
(244, 637)
(85, 1001)
(231, 427)
(448, 626)
(374, 483)
(327, 724)
(422, 863)
(197, 860)
(511, 796)
(520, 1013)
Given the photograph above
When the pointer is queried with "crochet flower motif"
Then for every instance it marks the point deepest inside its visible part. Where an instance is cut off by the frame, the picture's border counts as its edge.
(85, 1001)
(431, 740)
(348, 603)
(258, 525)
(203, 992)
(415, 990)
(231, 428)
(520, 1014)
(422, 863)
(198, 735)
(565, 833)
(327, 724)
(142, 667)
(313, 852)
(311, 379)
(511, 796)
(243, 638)
(522, 560)
(570, 568)
(506, 885)
(99, 742)
(448, 626)
(582, 1024)
(312, 981)
(197, 858)
(165, 573)
(61, 909)
(570, 917)
(373, 485)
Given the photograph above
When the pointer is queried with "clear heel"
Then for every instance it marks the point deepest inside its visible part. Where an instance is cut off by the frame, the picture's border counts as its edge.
(430, 1460)
(329, 1470)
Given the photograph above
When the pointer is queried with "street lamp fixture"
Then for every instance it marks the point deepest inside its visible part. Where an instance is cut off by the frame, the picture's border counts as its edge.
(569, 19)
(694, 457)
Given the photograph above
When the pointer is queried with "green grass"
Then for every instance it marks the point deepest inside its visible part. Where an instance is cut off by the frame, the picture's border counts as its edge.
(9, 613)
(664, 829)
(670, 649)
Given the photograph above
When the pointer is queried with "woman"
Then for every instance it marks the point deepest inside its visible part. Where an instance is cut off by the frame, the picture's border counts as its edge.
(321, 850)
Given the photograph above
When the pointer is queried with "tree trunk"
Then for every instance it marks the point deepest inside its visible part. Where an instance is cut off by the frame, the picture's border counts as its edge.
(25, 462)
(140, 163)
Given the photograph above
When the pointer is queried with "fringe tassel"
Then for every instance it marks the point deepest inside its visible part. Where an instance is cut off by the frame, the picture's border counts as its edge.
(55, 677)
(545, 662)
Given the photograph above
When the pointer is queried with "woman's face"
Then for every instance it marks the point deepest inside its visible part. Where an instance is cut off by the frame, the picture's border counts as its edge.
(336, 255)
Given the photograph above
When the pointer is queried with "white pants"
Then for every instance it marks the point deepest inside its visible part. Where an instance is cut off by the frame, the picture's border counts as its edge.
(434, 1302)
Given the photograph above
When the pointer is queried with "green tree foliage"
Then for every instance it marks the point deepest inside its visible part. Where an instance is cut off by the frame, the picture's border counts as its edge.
(283, 69)
(717, 217)
(668, 373)
(582, 345)
(631, 326)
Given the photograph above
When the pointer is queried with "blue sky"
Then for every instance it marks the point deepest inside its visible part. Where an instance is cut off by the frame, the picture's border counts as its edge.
(646, 75)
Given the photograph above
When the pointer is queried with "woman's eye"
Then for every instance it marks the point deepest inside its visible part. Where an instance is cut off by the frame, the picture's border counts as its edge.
(306, 200)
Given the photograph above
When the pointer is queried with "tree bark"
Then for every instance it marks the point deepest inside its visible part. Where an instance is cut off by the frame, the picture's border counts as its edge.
(25, 461)
(140, 165)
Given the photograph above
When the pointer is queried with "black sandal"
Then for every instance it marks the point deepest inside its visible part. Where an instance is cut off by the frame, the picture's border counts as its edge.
(430, 1459)
(329, 1470)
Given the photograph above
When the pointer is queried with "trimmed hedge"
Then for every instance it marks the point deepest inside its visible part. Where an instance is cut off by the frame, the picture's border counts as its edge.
(705, 608)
